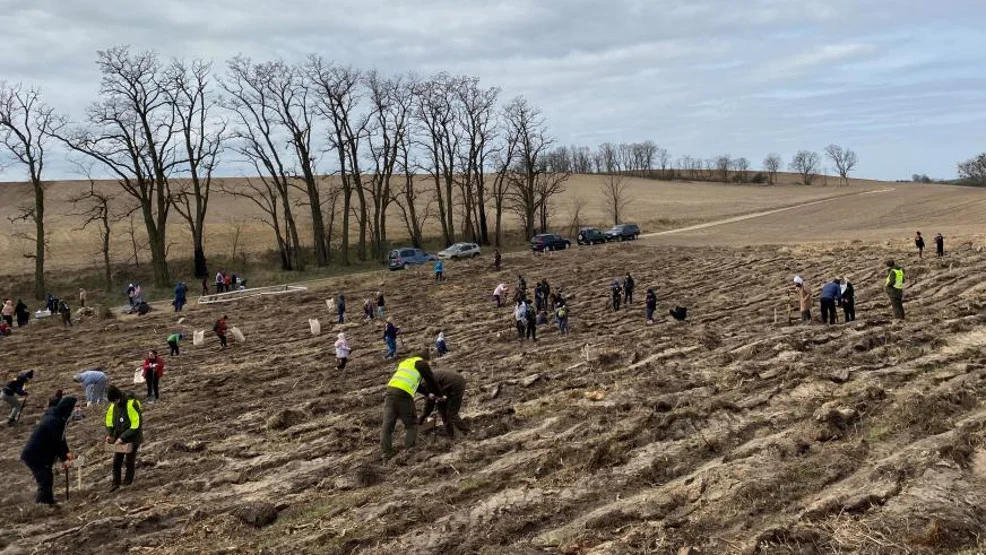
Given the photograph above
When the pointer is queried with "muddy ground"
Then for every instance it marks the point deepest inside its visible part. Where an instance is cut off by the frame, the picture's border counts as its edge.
(735, 432)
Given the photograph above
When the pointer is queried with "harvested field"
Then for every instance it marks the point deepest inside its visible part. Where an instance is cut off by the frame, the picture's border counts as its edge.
(735, 432)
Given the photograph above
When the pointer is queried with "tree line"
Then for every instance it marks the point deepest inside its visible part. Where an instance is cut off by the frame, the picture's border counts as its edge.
(335, 144)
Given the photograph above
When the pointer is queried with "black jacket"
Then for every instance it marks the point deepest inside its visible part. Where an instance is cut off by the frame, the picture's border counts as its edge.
(125, 420)
(16, 386)
(452, 385)
(651, 301)
(47, 441)
(849, 295)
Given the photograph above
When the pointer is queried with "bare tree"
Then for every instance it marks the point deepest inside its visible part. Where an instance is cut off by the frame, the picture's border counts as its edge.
(26, 128)
(505, 158)
(609, 158)
(575, 215)
(338, 101)
(616, 196)
(844, 160)
(721, 166)
(806, 164)
(406, 197)
(741, 165)
(973, 170)
(581, 159)
(202, 134)
(663, 158)
(136, 243)
(476, 108)
(132, 132)
(96, 210)
(772, 164)
(436, 116)
(259, 139)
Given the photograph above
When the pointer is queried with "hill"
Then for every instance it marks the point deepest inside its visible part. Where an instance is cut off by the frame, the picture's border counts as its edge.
(735, 432)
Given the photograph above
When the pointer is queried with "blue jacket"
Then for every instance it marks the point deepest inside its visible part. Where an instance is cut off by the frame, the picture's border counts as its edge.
(439, 267)
(90, 377)
(831, 291)
(48, 438)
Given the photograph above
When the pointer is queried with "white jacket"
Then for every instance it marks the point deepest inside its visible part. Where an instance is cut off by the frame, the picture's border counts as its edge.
(342, 348)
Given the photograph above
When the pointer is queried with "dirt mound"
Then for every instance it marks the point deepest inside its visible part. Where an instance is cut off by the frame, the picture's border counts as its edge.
(733, 432)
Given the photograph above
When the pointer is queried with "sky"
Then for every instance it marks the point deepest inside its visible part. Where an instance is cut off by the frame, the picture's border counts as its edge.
(901, 82)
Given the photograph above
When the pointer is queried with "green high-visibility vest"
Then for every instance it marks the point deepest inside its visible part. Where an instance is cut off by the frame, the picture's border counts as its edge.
(407, 378)
(895, 278)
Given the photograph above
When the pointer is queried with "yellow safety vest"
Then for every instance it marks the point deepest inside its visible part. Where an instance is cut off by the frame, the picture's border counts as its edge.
(895, 278)
(407, 378)
(132, 415)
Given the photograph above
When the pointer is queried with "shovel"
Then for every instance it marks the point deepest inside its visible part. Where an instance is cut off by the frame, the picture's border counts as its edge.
(21, 412)
(66, 482)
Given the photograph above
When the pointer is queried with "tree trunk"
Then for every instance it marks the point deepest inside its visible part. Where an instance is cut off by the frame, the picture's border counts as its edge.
(39, 244)
(106, 255)
(159, 260)
(201, 268)
(347, 200)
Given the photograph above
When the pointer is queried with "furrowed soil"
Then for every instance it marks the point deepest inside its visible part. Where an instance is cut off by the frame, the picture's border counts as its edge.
(737, 431)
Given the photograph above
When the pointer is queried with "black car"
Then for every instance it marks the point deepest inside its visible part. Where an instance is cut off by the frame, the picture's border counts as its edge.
(591, 236)
(549, 242)
(624, 232)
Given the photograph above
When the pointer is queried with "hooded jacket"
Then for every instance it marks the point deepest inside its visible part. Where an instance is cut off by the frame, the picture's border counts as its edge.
(125, 420)
(16, 386)
(47, 441)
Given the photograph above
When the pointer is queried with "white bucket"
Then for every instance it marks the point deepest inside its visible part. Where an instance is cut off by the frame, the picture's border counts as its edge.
(237, 334)
(139, 376)
(198, 337)
(316, 327)
(331, 305)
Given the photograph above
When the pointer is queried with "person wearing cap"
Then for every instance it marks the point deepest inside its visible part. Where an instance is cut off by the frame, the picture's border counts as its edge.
(94, 383)
(342, 351)
(47, 443)
(173, 341)
(448, 402)
(124, 424)
(894, 287)
(13, 390)
(399, 400)
(390, 338)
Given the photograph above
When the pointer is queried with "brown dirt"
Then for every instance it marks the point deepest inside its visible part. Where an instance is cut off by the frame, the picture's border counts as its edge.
(730, 433)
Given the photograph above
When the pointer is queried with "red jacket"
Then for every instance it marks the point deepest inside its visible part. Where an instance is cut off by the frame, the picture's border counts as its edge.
(220, 327)
(157, 364)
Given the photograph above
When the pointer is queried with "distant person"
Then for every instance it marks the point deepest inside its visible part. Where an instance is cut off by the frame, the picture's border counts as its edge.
(124, 425)
(540, 299)
(220, 282)
(153, 372)
(66, 313)
(804, 299)
(651, 303)
(5, 329)
(561, 317)
(83, 297)
(228, 282)
(628, 285)
(919, 243)
(546, 290)
(448, 400)
(441, 346)
(939, 245)
(521, 285)
(9, 394)
(130, 295)
(848, 293)
(496, 260)
(22, 313)
(341, 308)
(439, 271)
(399, 400)
(173, 341)
(381, 306)
(94, 383)
(499, 293)
(181, 296)
(390, 338)
(46, 444)
(219, 328)
(830, 297)
(7, 312)
(617, 294)
(205, 286)
(367, 309)
(532, 325)
(342, 351)
(894, 287)
(520, 318)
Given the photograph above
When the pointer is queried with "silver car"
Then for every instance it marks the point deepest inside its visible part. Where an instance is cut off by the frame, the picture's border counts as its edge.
(460, 250)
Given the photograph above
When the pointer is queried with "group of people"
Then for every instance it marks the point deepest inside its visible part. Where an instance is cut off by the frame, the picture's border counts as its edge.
(840, 292)
(939, 244)
(225, 283)
(622, 291)
(529, 315)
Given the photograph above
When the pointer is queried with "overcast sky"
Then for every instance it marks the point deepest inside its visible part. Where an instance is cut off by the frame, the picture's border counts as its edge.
(902, 82)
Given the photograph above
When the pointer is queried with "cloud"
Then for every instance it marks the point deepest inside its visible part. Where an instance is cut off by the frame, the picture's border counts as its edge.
(698, 76)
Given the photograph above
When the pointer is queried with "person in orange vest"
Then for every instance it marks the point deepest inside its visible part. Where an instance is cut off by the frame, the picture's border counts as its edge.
(399, 400)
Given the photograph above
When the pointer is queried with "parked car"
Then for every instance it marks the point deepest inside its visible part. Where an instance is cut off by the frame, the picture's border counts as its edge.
(623, 232)
(460, 250)
(398, 259)
(591, 236)
(549, 242)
